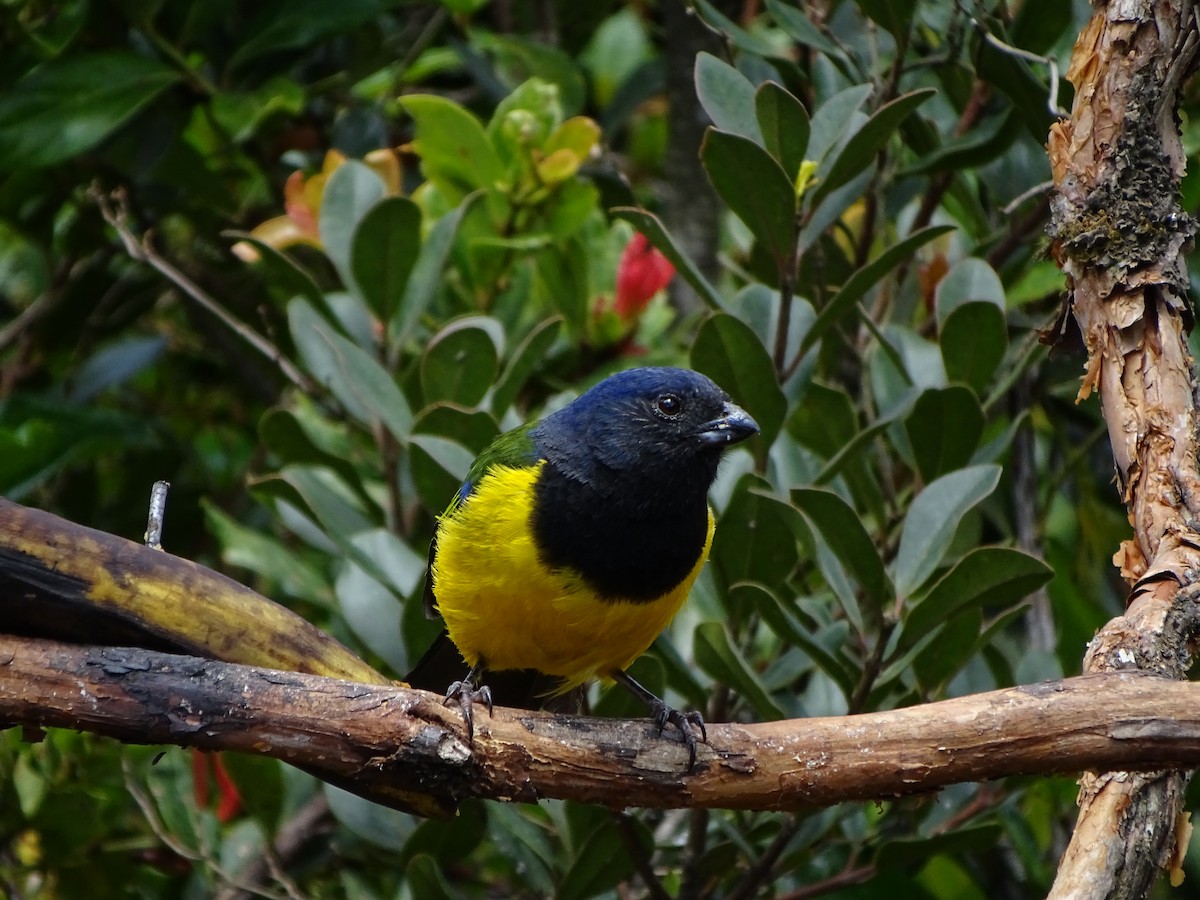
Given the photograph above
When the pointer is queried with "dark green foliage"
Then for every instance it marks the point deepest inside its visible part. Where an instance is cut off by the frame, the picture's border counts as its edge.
(923, 475)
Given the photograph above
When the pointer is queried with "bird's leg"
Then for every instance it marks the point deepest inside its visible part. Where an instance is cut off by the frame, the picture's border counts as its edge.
(467, 692)
(661, 714)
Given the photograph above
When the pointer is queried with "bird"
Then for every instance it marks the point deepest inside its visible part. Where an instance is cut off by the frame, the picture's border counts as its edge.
(574, 541)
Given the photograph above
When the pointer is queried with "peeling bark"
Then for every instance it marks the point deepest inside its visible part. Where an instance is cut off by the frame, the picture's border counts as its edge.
(1118, 233)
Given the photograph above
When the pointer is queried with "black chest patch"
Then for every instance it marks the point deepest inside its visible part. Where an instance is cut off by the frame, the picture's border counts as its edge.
(626, 546)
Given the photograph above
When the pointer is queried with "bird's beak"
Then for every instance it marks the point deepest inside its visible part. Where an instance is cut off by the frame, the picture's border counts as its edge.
(733, 425)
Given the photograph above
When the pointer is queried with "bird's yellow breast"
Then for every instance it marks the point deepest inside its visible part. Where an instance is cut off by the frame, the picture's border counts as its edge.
(502, 605)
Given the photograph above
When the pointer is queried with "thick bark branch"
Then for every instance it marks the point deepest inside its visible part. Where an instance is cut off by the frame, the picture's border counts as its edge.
(66, 581)
(1119, 232)
(389, 743)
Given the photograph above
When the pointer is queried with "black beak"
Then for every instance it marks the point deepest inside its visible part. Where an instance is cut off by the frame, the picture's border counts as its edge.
(733, 425)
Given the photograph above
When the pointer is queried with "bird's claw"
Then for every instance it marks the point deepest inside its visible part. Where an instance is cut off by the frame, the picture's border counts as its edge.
(686, 722)
(467, 695)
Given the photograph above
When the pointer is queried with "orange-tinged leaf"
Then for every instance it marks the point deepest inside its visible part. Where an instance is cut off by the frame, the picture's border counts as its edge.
(279, 232)
(333, 159)
(386, 164)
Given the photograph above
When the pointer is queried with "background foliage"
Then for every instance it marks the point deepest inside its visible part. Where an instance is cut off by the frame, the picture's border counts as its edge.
(417, 217)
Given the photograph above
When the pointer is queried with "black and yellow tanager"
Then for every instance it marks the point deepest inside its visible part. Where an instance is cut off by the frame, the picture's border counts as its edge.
(576, 539)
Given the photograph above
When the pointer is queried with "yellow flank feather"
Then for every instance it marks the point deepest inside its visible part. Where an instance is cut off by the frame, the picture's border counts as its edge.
(501, 604)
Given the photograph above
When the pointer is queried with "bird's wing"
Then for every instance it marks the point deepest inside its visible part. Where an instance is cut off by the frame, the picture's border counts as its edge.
(513, 448)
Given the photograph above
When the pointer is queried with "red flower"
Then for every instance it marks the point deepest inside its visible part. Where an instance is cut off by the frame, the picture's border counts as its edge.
(229, 800)
(641, 274)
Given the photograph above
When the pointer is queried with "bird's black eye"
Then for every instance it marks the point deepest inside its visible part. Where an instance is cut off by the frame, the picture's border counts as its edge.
(669, 405)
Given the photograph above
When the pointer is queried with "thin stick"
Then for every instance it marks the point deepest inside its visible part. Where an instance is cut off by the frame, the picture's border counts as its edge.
(115, 210)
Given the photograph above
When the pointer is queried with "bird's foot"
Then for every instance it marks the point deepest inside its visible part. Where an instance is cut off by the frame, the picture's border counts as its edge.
(688, 723)
(466, 694)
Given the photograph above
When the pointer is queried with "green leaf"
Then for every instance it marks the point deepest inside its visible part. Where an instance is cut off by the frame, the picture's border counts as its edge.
(526, 844)
(784, 123)
(267, 557)
(29, 785)
(456, 153)
(755, 187)
(755, 539)
(849, 452)
(729, 352)
(259, 781)
(974, 339)
(282, 432)
(562, 280)
(114, 364)
(951, 648)
(322, 494)
(979, 146)
(68, 105)
(383, 252)
(970, 280)
(834, 118)
(731, 31)
(894, 15)
(474, 429)
(373, 822)
(450, 438)
(944, 428)
(867, 277)
(439, 467)
(727, 96)
(360, 384)
(822, 647)
(616, 49)
(461, 361)
(651, 226)
(351, 190)
(987, 576)
(519, 59)
(447, 841)
(373, 613)
(932, 521)
(910, 854)
(717, 656)
(240, 113)
(1038, 280)
(797, 25)
(524, 362)
(845, 534)
(307, 23)
(860, 149)
(825, 422)
(601, 861)
(426, 276)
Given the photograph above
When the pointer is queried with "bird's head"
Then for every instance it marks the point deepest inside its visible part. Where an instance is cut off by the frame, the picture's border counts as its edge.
(656, 422)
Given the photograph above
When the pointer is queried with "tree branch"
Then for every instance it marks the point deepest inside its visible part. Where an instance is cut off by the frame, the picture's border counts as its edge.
(1119, 232)
(388, 743)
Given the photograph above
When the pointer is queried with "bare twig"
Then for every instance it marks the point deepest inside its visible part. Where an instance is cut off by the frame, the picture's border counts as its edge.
(1048, 61)
(114, 208)
(204, 857)
(158, 511)
(309, 822)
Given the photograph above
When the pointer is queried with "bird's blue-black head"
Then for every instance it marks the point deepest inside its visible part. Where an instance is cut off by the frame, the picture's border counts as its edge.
(647, 424)
(623, 499)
